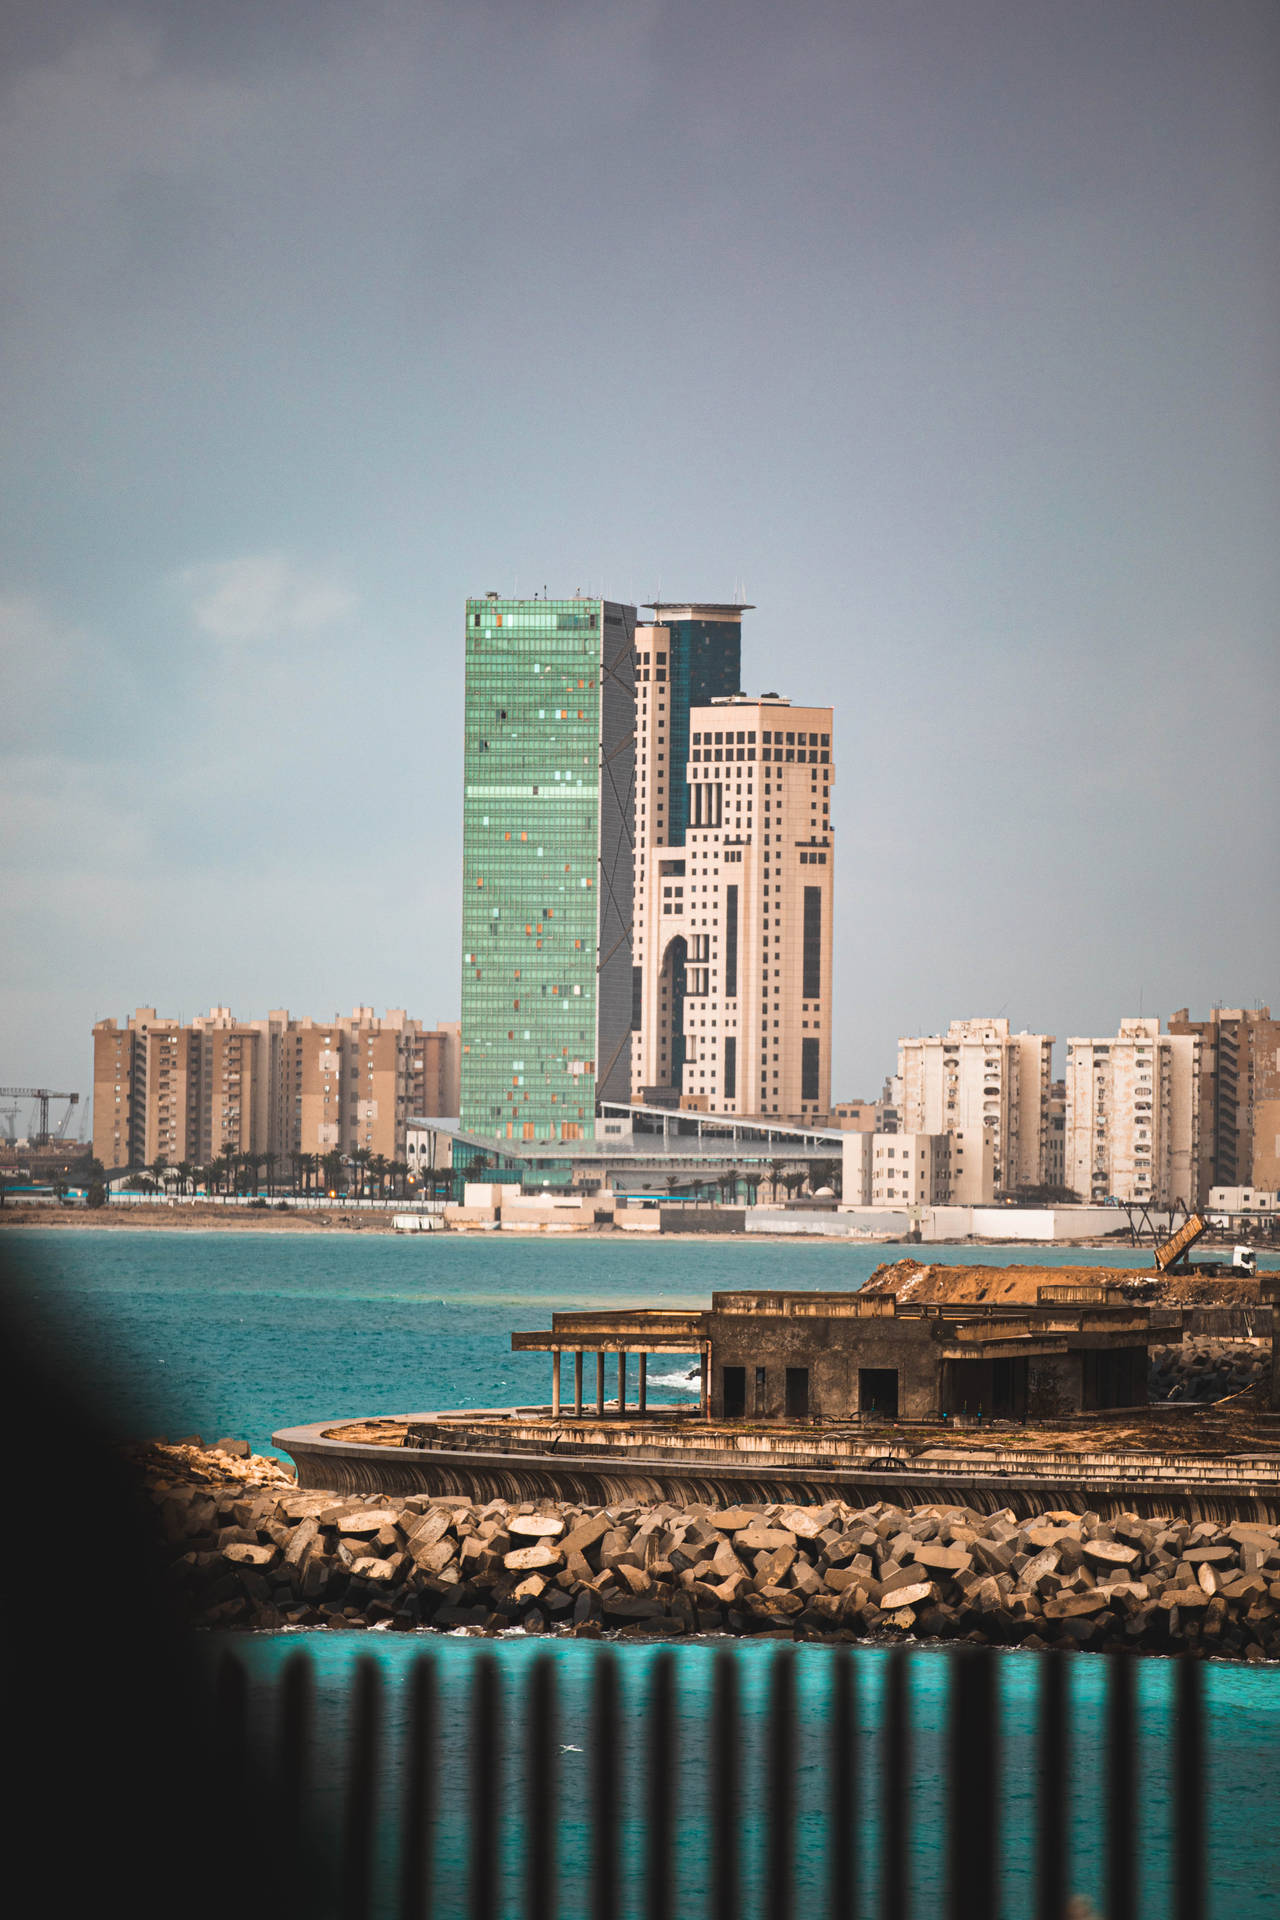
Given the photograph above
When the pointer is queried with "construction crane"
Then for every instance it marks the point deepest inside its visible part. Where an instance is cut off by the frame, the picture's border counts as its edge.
(40, 1135)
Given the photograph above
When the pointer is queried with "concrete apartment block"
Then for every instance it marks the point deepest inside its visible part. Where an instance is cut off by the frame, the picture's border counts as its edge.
(979, 1076)
(1133, 1116)
(733, 923)
(220, 1085)
(1239, 1095)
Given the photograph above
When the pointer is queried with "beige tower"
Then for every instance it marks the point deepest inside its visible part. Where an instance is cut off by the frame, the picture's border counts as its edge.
(733, 926)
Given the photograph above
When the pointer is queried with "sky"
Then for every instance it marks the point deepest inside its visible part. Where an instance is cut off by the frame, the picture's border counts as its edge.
(944, 333)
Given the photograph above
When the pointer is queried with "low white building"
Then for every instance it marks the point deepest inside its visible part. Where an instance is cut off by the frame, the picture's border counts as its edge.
(1242, 1200)
(887, 1169)
(429, 1147)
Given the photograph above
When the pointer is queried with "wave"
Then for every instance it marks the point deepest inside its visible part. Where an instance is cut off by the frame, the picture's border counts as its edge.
(686, 1382)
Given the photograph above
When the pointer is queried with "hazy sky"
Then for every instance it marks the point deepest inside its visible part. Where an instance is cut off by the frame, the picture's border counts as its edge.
(947, 330)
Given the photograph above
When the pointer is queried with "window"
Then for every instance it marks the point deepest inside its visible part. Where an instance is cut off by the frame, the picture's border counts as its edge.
(812, 946)
(731, 943)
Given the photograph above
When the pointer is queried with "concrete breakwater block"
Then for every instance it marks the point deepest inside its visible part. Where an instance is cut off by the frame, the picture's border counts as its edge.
(264, 1554)
(1201, 1369)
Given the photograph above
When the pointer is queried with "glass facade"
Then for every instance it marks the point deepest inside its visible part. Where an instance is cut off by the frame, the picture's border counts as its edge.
(546, 917)
(706, 664)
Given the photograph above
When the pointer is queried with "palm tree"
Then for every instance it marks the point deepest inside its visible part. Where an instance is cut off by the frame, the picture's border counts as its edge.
(159, 1167)
(380, 1166)
(360, 1160)
(269, 1163)
(776, 1170)
(183, 1171)
(332, 1164)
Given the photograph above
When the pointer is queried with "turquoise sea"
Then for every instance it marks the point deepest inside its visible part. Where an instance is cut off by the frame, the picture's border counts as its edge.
(240, 1333)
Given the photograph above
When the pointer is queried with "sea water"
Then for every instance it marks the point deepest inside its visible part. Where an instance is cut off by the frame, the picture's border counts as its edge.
(236, 1332)
(241, 1332)
(1242, 1721)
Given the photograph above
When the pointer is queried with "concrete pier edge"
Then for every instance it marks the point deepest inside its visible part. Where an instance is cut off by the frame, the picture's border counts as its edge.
(356, 1467)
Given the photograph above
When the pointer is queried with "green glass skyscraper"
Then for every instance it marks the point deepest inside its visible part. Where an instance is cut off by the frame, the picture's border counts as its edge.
(548, 826)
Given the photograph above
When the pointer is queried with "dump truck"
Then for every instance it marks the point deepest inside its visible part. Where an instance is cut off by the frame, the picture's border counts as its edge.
(1171, 1255)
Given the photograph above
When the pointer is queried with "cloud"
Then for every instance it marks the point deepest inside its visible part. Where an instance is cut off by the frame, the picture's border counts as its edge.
(262, 597)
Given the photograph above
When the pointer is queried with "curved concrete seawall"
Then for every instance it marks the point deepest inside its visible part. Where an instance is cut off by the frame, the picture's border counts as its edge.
(525, 1459)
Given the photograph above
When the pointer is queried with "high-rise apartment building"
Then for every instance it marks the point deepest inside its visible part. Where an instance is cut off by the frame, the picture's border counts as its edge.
(1133, 1116)
(978, 1078)
(220, 1085)
(548, 829)
(1239, 1096)
(689, 655)
(733, 919)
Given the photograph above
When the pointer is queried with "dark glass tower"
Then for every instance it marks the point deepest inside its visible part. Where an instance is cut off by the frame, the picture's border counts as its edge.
(705, 645)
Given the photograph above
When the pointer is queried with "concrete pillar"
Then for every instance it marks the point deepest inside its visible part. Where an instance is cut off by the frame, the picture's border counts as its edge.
(643, 1383)
(577, 1382)
(622, 1381)
(704, 1388)
(599, 1384)
(555, 1383)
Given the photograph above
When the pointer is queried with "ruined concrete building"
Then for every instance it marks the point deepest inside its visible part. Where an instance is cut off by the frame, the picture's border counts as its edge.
(769, 1356)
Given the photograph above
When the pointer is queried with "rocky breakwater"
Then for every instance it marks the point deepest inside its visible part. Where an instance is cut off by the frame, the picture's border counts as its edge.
(1203, 1369)
(262, 1554)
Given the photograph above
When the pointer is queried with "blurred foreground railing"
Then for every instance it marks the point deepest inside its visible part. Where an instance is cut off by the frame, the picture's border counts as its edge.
(497, 1723)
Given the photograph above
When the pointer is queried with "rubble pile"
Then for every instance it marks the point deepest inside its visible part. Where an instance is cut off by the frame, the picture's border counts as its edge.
(1203, 1370)
(267, 1555)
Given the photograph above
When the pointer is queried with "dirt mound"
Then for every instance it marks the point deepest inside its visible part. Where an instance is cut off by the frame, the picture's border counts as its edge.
(919, 1282)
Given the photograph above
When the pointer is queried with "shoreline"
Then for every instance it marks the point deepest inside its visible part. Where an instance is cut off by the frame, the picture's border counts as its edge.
(251, 1551)
(192, 1218)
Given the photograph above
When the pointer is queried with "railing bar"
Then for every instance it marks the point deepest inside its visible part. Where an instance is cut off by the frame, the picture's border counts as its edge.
(604, 1762)
(293, 1757)
(724, 1788)
(897, 1762)
(542, 1790)
(843, 1849)
(1051, 1803)
(974, 1785)
(362, 1768)
(419, 1792)
(781, 1785)
(659, 1878)
(231, 1730)
(485, 1788)
(1190, 1793)
(1122, 1826)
